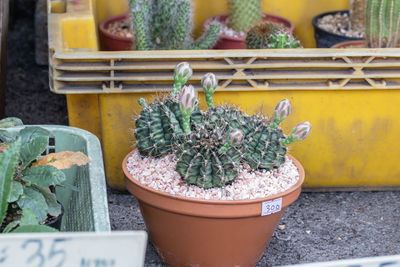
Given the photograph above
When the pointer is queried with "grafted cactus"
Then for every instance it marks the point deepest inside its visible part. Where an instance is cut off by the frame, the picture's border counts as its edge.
(243, 14)
(167, 24)
(383, 23)
(211, 145)
(269, 35)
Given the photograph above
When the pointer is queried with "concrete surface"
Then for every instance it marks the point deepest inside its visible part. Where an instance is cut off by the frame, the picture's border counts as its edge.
(317, 227)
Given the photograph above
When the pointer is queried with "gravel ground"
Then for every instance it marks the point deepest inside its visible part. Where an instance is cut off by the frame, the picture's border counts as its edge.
(317, 227)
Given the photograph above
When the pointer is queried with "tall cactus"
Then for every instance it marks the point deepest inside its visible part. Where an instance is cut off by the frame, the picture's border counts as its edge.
(167, 24)
(243, 14)
(383, 23)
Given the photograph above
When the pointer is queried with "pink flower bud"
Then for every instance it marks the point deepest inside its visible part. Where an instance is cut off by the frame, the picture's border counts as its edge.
(282, 110)
(236, 136)
(209, 82)
(302, 130)
(183, 72)
(188, 98)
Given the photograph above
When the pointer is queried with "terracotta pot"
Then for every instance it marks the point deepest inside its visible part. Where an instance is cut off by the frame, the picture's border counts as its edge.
(229, 42)
(192, 232)
(113, 42)
(351, 44)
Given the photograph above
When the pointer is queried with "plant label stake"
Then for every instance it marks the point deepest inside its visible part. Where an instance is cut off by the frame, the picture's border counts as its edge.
(116, 249)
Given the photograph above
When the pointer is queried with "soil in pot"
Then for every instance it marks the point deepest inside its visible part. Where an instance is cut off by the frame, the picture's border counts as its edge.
(334, 27)
(230, 39)
(117, 33)
(213, 227)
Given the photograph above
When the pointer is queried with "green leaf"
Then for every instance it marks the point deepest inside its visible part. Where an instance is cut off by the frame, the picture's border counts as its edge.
(8, 162)
(16, 191)
(28, 217)
(69, 186)
(34, 229)
(44, 175)
(31, 132)
(10, 226)
(32, 149)
(34, 200)
(54, 207)
(6, 137)
(10, 122)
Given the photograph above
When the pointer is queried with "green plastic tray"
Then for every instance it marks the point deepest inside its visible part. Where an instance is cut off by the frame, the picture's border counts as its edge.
(87, 208)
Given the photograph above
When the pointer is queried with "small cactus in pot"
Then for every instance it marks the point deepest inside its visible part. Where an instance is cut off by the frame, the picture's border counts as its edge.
(243, 14)
(211, 145)
(270, 35)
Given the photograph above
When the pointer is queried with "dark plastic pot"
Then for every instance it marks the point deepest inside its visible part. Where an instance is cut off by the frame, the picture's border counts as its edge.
(326, 39)
(112, 42)
(229, 42)
(56, 224)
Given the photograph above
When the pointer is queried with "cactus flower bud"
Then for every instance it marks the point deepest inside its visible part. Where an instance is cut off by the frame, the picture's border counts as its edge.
(301, 131)
(187, 98)
(187, 103)
(209, 82)
(236, 136)
(281, 112)
(183, 72)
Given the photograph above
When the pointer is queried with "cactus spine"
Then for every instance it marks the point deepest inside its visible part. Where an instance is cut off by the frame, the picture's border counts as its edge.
(383, 23)
(167, 24)
(243, 14)
(269, 35)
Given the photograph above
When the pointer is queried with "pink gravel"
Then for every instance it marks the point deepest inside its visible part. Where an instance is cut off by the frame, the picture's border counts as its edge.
(160, 175)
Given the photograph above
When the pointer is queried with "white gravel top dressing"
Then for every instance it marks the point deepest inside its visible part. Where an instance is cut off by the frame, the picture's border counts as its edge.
(160, 175)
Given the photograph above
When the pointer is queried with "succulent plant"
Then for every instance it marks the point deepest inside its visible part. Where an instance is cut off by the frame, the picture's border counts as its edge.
(243, 14)
(269, 35)
(167, 24)
(383, 23)
(211, 145)
(25, 183)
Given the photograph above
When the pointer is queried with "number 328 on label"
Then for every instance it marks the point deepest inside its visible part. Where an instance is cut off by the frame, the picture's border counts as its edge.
(271, 206)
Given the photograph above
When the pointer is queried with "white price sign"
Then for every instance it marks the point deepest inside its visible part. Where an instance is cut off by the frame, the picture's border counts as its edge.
(112, 249)
(272, 206)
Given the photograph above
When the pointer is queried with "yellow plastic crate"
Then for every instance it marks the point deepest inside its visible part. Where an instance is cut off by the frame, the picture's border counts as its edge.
(350, 96)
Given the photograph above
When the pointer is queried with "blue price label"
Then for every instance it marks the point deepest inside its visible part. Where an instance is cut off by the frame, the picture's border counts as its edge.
(271, 206)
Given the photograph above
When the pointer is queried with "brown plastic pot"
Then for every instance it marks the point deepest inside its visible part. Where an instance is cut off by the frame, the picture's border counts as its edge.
(113, 42)
(192, 232)
(351, 44)
(229, 42)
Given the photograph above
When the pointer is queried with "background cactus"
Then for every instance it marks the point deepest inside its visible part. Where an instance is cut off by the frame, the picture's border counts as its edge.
(269, 35)
(383, 23)
(167, 24)
(243, 14)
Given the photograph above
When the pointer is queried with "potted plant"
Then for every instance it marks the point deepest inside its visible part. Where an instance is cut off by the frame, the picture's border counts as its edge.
(382, 27)
(165, 25)
(29, 181)
(338, 26)
(201, 176)
(266, 35)
(116, 33)
(242, 16)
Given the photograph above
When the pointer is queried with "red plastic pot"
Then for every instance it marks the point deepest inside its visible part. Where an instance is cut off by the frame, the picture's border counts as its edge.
(113, 42)
(193, 232)
(351, 44)
(229, 42)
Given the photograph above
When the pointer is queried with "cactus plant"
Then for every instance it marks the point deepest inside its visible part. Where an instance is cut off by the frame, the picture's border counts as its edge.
(269, 35)
(243, 14)
(167, 24)
(383, 23)
(211, 145)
